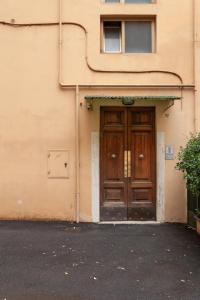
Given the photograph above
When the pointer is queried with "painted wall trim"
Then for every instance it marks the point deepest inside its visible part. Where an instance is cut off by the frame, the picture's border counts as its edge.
(160, 176)
(95, 176)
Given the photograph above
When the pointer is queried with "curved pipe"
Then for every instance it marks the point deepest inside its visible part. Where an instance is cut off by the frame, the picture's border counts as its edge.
(92, 68)
(196, 62)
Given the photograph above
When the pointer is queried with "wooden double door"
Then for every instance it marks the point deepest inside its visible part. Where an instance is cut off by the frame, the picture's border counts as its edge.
(127, 164)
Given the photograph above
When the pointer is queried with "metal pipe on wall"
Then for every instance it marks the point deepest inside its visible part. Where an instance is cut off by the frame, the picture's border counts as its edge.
(77, 133)
(196, 45)
(60, 43)
(98, 70)
(94, 69)
(77, 139)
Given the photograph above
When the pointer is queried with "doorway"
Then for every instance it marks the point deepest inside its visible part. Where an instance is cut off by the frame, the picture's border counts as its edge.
(127, 164)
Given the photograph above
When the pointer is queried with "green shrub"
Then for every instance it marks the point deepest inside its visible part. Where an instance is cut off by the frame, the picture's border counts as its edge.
(189, 164)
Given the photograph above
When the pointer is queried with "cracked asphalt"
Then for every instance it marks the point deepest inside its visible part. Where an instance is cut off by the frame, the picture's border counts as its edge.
(66, 261)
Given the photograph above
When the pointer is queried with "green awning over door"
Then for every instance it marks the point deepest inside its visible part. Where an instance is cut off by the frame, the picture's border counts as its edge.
(129, 100)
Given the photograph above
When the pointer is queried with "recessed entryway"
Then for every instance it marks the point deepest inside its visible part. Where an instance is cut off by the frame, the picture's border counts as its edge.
(127, 164)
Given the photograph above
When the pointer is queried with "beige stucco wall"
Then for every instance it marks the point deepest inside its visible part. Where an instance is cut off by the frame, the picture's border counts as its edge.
(37, 115)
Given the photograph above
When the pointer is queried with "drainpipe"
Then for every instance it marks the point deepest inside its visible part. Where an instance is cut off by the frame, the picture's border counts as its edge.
(77, 134)
(77, 156)
(60, 43)
(196, 17)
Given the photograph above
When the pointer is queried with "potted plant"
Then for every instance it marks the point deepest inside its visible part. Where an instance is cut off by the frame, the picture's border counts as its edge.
(189, 164)
(197, 214)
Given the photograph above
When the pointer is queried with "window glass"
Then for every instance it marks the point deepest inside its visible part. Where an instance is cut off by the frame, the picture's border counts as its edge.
(112, 36)
(138, 37)
(138, 1)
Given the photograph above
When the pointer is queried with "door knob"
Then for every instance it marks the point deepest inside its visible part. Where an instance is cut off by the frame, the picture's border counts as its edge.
(141, 156)
(113, 156)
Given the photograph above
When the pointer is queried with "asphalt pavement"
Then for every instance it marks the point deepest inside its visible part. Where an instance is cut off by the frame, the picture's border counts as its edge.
(66, 261)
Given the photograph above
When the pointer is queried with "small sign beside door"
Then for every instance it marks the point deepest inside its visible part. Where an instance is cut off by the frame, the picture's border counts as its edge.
(169, 152)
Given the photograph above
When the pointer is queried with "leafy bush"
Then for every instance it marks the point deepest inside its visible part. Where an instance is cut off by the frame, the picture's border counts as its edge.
(189, 164)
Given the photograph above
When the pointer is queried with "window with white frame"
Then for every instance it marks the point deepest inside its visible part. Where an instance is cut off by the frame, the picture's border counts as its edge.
(129, 36)
(129, 1)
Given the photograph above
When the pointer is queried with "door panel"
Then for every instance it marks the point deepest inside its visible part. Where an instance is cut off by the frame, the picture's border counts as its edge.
(140, 149)
(113, 182)
(127, 163)
(113, 146)
(141, 143)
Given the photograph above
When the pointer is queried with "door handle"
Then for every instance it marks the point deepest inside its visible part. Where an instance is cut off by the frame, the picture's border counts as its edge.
(113, 156)
(141, 156)
(129, 163)
(125, 163)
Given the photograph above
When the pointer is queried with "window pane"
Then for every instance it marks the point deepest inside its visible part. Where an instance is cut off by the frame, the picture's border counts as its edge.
(112, 1)
(112, 32)
(138, 1)
(138, 37)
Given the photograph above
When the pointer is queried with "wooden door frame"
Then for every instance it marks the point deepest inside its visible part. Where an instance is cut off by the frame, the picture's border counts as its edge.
(137, 108)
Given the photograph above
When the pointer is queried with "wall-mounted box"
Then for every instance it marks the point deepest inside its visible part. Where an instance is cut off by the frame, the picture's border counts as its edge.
(58, 164)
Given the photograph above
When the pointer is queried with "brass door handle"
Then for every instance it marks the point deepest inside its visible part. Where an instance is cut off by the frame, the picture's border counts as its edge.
(125, 164)
(141, 156)
(129, 163)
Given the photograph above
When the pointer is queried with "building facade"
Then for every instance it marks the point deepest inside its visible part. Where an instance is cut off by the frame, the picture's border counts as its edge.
(96, 99)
